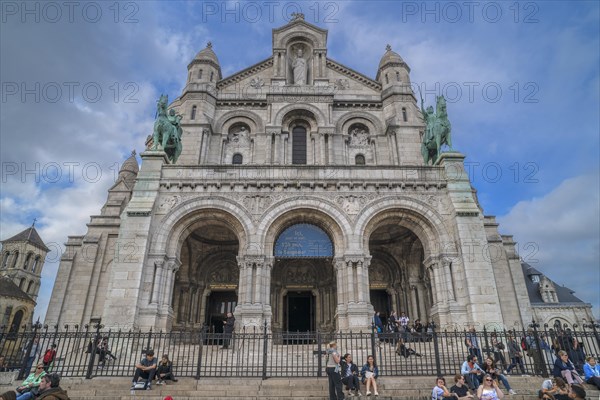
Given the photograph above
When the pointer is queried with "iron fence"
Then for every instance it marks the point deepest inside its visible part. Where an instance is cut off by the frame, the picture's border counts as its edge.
(257, 352)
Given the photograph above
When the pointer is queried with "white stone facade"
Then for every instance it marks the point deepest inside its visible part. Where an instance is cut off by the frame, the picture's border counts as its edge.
(262, 153)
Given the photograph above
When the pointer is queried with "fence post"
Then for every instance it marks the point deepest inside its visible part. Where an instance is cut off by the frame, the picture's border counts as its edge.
(265, 344)
(319, 356)
(539, 349)
(149, 339)
(200, 351)
(23, 371)
(373, 339)
(90, 368)
(487, 345)
(436, 350)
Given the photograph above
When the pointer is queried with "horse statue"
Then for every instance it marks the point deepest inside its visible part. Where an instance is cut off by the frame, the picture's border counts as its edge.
(167, 130)
(437, 131)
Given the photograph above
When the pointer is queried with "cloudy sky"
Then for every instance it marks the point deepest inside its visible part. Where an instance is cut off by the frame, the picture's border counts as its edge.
(80, 80)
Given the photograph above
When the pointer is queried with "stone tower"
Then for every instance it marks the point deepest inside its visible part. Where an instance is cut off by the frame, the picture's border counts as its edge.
(23, 257)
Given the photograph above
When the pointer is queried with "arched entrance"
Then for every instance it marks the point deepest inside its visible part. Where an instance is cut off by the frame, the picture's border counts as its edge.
(206, 285)
(303, 283)
(397, 277)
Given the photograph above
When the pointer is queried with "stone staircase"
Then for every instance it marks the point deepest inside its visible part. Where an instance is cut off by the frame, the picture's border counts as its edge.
(396, 388)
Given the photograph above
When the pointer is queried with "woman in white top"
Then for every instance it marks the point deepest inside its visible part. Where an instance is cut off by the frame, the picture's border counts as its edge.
(489, 389)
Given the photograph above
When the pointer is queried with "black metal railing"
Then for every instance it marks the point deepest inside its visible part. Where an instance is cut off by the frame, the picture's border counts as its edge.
(257, 352)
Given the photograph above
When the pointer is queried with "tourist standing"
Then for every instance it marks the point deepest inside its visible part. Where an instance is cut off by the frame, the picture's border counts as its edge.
(333, 370)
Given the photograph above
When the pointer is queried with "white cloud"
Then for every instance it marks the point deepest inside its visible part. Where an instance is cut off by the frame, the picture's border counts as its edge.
(565, 224)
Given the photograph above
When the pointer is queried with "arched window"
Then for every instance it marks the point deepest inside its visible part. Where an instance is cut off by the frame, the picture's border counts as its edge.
(194, 108)
(299, 145)
(16, 322)
(15, 258)
(303, 240)
(22, 283)
(404, 116)
(26, 263)
(237, 159)
(199, 74)
(398, 76)
(387, 80)
(359, 159)
(212, 75)
(5, 259)
(36, 261)
(29, 287)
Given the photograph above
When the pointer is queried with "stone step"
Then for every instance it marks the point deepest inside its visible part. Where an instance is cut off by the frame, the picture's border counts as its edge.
(271, 389)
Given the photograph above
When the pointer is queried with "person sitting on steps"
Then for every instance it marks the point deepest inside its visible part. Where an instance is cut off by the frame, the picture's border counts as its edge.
(145, 369)
(403, 350)
(349, 372)
(164, 370)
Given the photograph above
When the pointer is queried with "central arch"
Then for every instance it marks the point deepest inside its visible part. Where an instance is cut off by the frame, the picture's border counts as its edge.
(303, 290)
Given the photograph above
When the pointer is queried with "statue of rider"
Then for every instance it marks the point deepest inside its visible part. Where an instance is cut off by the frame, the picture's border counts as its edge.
(429, 117)
(175, 120)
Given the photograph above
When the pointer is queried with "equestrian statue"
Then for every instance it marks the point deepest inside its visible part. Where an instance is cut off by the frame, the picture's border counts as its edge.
(167, 130)
(437, 130)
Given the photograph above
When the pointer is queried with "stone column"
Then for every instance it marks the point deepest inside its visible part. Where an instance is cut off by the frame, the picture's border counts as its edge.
(354, 311)
(252, 309)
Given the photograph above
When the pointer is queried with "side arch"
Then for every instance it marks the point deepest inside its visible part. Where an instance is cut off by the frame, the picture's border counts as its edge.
(413, 214)
(375, 126)
(190, 214)
(251, 118)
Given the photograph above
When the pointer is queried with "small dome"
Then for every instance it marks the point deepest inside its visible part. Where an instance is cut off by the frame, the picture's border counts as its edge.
(130, 166)
(207, 54)
(390, 57)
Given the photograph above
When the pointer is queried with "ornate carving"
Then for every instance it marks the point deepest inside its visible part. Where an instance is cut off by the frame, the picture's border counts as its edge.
(256, 204)
(341, 84)
(223, 275)
(359, 137)
(351, 204)
(299, 275)
(169, 202)
(257, 83)
(378, 274)
(239, 137)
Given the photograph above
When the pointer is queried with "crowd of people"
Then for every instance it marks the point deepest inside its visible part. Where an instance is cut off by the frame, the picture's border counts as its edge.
(480, 376)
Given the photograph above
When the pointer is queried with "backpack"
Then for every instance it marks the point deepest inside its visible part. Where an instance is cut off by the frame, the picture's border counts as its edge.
(48, 356)
(524, 344)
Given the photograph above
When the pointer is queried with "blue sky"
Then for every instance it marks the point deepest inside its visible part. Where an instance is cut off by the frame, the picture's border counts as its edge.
(522, 80)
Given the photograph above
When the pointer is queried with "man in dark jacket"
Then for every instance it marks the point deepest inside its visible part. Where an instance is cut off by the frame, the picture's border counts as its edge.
(49, 389)
(228, 325)
(349, 372)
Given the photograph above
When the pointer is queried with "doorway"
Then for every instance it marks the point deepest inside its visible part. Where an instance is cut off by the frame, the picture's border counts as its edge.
(217, 307)
(300, 314)
(381, 302)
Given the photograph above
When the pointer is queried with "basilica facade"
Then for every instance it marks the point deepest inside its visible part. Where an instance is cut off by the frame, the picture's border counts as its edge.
(301, 200)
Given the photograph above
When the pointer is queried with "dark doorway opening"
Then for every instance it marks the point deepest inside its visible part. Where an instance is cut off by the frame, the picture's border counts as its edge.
(217, 307)
(300, 312)
(381, 302)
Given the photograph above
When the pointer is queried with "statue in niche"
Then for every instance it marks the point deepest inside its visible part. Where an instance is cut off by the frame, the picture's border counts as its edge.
(299, 67)
(240, 136)
(359, 137)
